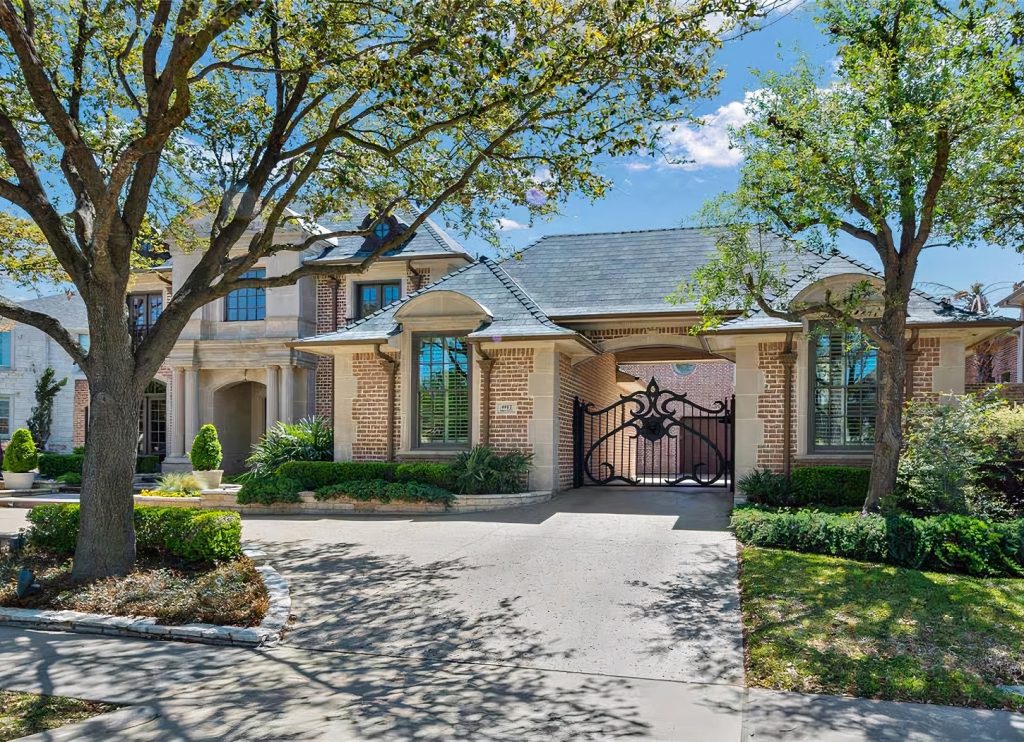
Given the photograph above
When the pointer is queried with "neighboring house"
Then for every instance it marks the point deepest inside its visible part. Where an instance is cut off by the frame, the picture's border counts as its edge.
(25, 353)
(499, 352)
(1004, 355)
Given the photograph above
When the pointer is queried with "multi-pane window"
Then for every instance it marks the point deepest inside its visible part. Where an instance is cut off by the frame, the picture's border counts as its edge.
(845, 390)
(5, 349)
(372, 296)
(143, 312)
(442, 398)
(247, 304)
(5, 416)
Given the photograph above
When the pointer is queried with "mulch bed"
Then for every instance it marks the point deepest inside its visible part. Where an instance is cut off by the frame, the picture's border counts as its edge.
(175, 592)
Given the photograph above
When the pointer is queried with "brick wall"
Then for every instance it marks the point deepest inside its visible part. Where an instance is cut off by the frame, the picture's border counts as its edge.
(710, 381)
(369, 408)
(618, 332)
(770, 407)
(510, 377)
(80, 412)
(592, 380)
(1011, 392)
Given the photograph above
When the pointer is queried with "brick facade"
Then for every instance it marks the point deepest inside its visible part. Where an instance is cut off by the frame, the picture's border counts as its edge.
(592, 380)
(80, 412)
(369, 408)
(710, 381)
(995, 359)
(510, 383)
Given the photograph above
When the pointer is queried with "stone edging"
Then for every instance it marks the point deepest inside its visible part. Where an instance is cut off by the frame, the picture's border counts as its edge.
(268, 632)
(310, 506)
(104, 726)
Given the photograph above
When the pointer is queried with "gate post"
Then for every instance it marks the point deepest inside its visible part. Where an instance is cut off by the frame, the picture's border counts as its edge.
(732, 444)
(577, 443)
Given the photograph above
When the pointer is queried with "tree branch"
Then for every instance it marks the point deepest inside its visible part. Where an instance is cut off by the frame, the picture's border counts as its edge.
(50, 325)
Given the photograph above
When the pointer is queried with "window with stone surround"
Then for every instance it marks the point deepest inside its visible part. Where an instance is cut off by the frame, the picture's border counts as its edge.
(247, 305)
(844, 393)
(5, 349)
(442, 391)
(5, 416)
(373, 296)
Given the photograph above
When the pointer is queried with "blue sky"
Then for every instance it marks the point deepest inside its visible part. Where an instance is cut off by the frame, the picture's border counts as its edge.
(661, 196)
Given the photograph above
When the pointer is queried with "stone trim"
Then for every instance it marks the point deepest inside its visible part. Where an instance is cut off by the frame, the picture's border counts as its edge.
(268, 632)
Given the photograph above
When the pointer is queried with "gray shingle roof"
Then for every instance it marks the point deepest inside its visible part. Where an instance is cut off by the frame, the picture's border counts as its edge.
(428, 241)
(575, 275)
(923, 309)
(69, 309)
(513, 312)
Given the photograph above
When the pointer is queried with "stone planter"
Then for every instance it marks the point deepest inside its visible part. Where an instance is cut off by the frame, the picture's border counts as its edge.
(19, 481)
(209, 480)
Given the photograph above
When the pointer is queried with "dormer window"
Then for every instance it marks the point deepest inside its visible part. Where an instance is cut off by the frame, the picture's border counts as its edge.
(381, 230)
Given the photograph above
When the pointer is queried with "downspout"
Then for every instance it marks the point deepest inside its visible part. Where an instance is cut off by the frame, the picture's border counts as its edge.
(788, 358)
(911, 355)
(486, 363)
(390, 366)
(334, 305)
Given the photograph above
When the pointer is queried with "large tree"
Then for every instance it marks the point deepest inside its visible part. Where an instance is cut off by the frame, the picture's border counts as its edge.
(115, 116)
(914, 141)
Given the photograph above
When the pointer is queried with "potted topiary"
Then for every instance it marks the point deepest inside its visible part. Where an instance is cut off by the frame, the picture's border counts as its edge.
(20, 459)
(206, 456)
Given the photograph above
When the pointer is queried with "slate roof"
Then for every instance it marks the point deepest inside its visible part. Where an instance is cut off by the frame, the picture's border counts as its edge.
(923, 308)
(429, 240)
(513, 312)
(69, 309)
(579, 275)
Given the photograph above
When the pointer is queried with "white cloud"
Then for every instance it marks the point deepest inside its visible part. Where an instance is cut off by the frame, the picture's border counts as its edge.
(509, 225)
(636, 167)
(542, 175)
(696, 147)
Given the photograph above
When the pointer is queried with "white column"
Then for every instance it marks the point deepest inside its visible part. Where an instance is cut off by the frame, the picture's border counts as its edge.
(287, 393)
(177, 431)
(191, 406)
(273, 398)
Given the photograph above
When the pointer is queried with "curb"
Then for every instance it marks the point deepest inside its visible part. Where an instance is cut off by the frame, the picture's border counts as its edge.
(268, 632)
(103, 726)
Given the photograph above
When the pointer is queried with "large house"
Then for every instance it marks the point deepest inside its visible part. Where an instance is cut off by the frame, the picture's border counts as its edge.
(551, 351)
(25, 353)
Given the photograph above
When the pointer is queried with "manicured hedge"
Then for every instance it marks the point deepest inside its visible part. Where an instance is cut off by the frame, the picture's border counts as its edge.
(378, 489)
(941, 543)
(313, 475)
(270, 490)
(52, 465)
(190, 533)
(830, 485)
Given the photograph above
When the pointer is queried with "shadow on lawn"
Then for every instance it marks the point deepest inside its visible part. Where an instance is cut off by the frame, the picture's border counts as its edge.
(881, 632)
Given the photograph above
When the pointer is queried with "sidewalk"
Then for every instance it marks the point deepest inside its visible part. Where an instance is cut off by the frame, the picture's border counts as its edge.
(202, 692)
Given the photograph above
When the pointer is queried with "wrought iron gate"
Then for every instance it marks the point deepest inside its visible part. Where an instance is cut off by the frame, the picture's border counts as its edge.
(654, 438)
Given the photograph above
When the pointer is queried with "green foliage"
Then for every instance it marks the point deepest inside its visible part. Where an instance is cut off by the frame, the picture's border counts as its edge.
(70, 478)
(173, 481)
(190, 533)
(833, 486)
(52, 465)
(767, 487)
(147, 464)
(383, 491)
(21, 455)
(268, 490)
(942, 543)
(41, 417)
(962, 456)
(436, 474)
(480, 471)
(830, 485)
(310, 439)
(206, 453)
(315, 474)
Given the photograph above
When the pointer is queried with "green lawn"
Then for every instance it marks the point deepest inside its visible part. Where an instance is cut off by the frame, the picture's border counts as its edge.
(818, 624)
(27, 713)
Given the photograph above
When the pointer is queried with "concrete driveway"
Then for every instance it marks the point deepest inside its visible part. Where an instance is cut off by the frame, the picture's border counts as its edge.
(614, 581)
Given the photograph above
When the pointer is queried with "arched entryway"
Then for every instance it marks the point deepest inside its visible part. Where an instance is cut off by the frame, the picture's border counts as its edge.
(240, 414)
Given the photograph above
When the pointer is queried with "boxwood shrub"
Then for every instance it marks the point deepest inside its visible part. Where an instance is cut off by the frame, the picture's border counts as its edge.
(190, 533)
(941, 543)
(268, 490)
(380, 490)
(312, 475)
(52, 465)
(830, 485)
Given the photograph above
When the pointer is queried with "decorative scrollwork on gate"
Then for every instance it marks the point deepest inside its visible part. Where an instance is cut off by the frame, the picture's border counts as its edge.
(653, 437)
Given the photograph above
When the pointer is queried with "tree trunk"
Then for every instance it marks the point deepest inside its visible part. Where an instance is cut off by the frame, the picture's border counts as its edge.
(106, 537)
(891, 373)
